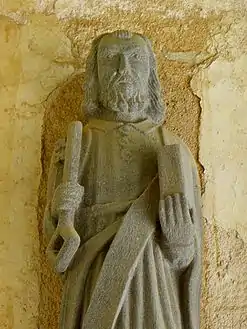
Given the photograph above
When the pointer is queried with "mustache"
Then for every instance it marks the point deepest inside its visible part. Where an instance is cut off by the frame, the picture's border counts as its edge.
(115, 79)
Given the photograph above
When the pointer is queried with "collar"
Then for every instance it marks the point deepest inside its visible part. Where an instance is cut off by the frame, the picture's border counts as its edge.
(144, 126)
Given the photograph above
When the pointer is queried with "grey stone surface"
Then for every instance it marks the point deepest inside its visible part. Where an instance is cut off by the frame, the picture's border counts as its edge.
(127, 196)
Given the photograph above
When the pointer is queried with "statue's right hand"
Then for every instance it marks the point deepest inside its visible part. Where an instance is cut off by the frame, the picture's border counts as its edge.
(67, 198)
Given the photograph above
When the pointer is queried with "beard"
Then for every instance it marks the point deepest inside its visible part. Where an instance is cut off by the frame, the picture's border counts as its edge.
(125, 95)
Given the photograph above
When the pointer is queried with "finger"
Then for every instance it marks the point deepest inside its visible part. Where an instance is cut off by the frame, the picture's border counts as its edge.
(162, 212)
(169, 210)
(185, 208)
(162, 215)
(177, 208)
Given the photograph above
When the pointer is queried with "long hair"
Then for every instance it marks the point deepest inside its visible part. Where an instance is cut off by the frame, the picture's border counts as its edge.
(155, 110)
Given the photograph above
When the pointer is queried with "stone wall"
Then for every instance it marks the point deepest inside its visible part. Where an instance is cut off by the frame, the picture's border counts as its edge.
(201, 50)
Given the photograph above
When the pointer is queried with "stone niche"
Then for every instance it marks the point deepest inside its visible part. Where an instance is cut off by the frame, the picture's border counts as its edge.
(201, 53)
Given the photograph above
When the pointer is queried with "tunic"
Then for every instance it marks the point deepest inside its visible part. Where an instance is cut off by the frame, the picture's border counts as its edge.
(118, 162)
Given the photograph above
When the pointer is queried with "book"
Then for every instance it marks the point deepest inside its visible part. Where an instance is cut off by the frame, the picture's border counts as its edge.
(175, 172)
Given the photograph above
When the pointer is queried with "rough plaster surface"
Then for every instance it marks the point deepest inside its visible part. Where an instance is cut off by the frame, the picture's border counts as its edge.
(176, 9)
(19, 177)
(41, 74)
(29, 72)
(223, 144)
(225, 281)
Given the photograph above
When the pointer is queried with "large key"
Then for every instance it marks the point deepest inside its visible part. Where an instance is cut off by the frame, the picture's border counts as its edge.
(65, 234)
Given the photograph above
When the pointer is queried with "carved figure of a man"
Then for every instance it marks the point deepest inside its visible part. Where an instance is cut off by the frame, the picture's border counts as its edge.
(137, 201)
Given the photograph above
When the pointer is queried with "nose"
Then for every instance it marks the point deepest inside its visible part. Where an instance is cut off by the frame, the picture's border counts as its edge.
(123, 64)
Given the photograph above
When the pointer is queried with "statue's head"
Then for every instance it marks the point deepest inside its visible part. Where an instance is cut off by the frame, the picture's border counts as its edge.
(121, 79)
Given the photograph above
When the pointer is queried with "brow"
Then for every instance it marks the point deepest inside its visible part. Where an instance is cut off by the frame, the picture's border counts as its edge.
(129, 50)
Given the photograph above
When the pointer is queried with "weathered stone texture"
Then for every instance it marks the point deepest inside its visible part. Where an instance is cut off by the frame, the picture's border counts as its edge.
(41, 76)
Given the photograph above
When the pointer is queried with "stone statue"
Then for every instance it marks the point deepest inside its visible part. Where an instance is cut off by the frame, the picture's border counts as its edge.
(123, 214)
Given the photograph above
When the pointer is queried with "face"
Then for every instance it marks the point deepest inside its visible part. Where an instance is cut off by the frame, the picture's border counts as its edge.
(123, 72)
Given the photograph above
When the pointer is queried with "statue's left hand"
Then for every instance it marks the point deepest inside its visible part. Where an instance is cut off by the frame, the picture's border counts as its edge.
(178, 230)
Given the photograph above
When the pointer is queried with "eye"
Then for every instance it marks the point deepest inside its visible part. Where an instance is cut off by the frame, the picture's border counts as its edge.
(109, 55)
(106, 55)
(137, 56)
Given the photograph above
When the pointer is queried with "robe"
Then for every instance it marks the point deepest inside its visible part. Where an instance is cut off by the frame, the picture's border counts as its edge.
(120, 277)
